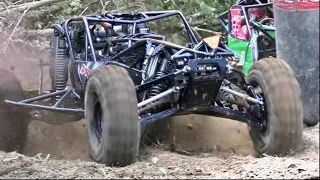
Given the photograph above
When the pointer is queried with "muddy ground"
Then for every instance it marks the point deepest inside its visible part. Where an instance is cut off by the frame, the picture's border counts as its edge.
(212, 148)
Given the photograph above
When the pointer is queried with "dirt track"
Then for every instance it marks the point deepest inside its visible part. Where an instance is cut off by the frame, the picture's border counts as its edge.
(158, 163)
(210, 150)
(69, 141)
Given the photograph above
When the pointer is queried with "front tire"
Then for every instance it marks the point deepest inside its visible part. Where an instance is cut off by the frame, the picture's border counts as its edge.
(111, 116)
(282, 133)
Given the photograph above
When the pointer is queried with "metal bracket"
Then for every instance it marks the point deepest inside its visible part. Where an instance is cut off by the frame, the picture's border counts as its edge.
(41, 65)
(65, 93)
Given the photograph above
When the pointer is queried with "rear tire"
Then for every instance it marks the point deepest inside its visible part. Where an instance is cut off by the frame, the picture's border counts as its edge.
(284, 114)
(111, 101)
(14, 120)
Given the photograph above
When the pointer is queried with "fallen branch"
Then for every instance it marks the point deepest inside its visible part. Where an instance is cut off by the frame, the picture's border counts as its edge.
(196, 33)
(38, 157)
(14, 158)
(15, 28)
(44, 32)
(182, 152)
(52, 10)
(104, 173)
(104, 6)
(196, 15)
(207, 31)
(30, 6)
(47, 158)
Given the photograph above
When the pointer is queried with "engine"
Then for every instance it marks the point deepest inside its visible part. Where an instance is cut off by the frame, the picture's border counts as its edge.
(102, 38)
(108, 40)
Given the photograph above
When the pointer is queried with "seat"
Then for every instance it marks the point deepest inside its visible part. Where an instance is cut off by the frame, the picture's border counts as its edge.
(238, 25)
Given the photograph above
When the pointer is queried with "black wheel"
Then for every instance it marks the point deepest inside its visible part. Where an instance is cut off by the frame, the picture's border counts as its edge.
(281, 119)
(111, 116)
(14, 120)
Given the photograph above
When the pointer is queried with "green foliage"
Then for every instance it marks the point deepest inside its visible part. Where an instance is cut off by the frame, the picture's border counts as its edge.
(199, 13)
(208, 9)
(74, 7)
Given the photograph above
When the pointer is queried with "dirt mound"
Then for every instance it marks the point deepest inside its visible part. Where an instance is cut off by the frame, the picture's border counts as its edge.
(155, 163)
(69, 140)
(205, 133)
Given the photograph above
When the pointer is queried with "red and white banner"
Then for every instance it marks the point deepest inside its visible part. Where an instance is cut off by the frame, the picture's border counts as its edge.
(297, 4)
(308, 5)
(284, 4)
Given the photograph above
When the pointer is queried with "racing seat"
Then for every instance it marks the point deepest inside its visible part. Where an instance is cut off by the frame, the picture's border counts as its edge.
(239, 28)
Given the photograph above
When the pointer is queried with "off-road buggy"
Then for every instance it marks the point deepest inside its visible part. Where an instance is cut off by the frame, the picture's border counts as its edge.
(250, 33)
(249, 27)
(121, 76)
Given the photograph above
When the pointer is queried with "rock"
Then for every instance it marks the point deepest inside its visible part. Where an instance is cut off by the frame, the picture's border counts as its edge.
(230, 150)
(154, 160)
(198, 170)
(170, 167)
(292, 166)
(163, 170)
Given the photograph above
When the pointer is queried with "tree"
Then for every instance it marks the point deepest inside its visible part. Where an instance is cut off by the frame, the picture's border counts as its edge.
(201, 14)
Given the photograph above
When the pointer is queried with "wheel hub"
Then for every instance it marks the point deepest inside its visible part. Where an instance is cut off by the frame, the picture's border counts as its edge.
(97, 118)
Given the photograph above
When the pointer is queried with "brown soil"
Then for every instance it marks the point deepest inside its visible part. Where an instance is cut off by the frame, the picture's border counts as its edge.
(157, 163)
(205, 147)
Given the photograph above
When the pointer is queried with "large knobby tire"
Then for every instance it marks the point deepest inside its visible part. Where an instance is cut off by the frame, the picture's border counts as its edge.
(284, 110)
(14, 120)
(111, 116)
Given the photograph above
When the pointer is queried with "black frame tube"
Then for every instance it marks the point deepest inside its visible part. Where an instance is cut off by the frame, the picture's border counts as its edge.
(110, 18)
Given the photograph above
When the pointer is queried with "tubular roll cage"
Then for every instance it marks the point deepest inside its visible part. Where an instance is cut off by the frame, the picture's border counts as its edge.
(111, 18)
(215, 57)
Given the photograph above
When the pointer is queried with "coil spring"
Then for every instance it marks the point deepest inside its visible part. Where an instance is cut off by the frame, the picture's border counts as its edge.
(61, 71)
(157, 89)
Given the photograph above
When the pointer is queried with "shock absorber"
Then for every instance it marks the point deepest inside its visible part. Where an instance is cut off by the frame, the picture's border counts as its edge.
(157, 89)
(60, 66)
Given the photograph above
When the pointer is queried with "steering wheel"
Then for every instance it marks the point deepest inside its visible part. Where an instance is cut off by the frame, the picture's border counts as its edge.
(267, 21)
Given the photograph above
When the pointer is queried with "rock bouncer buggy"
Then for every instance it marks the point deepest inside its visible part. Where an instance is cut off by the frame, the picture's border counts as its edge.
(250, 30)
(122, 76)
